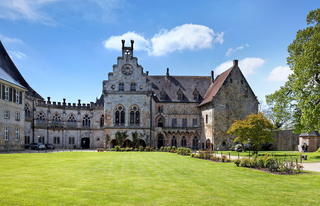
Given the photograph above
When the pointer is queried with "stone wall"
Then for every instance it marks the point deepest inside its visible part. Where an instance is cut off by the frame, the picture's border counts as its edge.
(286, 140)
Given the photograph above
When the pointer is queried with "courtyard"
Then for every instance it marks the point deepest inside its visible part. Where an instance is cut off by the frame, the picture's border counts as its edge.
(144, 178)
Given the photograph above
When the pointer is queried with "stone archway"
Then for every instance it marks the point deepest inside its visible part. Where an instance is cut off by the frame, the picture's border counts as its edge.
(142, 143)
(85, 143)
(113, 143)
(127, 143)
(160, 141)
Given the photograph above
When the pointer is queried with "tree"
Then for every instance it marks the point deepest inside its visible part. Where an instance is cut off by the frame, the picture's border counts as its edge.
(107, 139)
(256, 127)
(301, 93)
(121, 137)
(134, 138)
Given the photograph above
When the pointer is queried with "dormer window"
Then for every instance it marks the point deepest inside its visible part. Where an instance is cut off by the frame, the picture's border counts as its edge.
(163, 95)
(196, 95)
(180, 94)
(121, 86)
(133, 86)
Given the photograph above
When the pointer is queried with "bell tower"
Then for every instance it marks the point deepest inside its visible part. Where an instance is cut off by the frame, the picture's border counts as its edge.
(127, 52)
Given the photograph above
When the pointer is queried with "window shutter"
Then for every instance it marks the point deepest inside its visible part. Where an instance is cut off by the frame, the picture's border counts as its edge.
(20, 97)
(10, 94)
(3, 91)
(14, 95)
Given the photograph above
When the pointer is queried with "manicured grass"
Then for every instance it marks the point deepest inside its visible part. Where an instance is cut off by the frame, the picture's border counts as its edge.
(144, 178)
(312, 156)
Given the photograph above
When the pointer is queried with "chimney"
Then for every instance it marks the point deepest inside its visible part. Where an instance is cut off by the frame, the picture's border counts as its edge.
(79, 102)
(235, 62)
(212, 76)
(167, 72)
(132, 44)
(122, 43)
(147, 73)
(48, 102)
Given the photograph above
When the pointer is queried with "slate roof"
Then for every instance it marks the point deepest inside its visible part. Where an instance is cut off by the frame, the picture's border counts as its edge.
(8, 66)
(172, 84)
(214, 88)
(6, 77)
(312, 134)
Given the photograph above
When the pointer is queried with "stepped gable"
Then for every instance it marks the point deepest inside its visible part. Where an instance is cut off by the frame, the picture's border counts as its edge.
(214, 88)
(8, 66)
(186, 84)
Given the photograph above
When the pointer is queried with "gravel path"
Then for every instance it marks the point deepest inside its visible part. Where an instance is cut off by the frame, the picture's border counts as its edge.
(312, 166)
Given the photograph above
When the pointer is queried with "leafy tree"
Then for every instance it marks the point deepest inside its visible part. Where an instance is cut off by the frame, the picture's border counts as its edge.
(256, 127)
(134, 138)
(121, 137)
(301, 93)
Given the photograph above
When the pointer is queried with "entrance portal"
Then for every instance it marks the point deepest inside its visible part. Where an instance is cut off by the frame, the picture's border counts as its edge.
(160, 141)
(85, 143)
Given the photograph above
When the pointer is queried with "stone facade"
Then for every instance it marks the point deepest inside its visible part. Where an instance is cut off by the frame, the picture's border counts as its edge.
(163, 110)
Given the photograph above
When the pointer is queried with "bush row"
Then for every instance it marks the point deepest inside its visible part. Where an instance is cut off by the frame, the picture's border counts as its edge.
(209, 156)
(285, 165)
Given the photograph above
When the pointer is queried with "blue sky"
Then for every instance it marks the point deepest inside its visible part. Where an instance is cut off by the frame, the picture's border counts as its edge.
(66, 48)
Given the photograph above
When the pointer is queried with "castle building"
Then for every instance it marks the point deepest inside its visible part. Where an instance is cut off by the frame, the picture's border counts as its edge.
(181, 111)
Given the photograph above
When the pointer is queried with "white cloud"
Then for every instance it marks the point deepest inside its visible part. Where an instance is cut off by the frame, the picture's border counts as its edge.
(248, 66)
(187, 36)
(280, 74)
(114, 42)
(232, 50)
(17, 54)
(9, 40)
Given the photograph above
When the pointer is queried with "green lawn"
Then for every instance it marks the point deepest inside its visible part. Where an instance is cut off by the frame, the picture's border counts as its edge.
(312, 156)
(141, 178)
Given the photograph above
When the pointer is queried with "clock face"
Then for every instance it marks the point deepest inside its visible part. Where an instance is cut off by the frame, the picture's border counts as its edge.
(127, 69)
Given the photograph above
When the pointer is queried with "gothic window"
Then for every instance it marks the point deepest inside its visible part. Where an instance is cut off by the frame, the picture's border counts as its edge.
(183, 142)
(180, 94)
(160, 122)
(184, 122)
(160, 109)
(119, 115)
(134, 116)
(133, 86)
(163, 95)
(101, 120)
(56, 119)
(195, 122)
(71, 140)
(72, 120)
(27, 112)
(174, 141)
(121, 86)
(41, 119)
(174, 122)
(86, 121)
(195, 142)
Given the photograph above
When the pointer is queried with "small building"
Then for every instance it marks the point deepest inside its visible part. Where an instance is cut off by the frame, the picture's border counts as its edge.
(311, 140)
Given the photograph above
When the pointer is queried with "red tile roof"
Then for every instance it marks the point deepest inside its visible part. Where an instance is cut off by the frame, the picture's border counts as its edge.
(214, 88)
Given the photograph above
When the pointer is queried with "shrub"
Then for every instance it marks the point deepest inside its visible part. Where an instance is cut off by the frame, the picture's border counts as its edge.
(229, 160)
(188, 151)
(269, 162)
(174, 148)
(122, 149)
(117, 148)
(140, 149)
(128, 149)
(168, 149)
(224, 158)
(161, 149)
(254, 163)
(237, 162)
(318, 149)
(260, 162)
(245, 162)
(192, 155)
(215, 158)
(148, 148)
(135, 149)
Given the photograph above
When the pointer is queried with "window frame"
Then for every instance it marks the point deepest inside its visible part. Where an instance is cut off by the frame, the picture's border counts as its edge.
(6, 133)
(17, 133)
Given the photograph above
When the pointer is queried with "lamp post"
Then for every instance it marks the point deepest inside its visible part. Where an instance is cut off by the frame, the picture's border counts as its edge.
(249, 146)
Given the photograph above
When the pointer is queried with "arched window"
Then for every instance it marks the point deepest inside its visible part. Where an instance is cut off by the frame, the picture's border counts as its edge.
(101, 120)
(183, 142)
(174, 141)
(195, 142)
(72, 120)
(121, 86)
(86, 121)
(56, 119)
(133, 86)
(160, 122)
(134, 116)
(119, 115)
(41, 119)
(27, 112)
